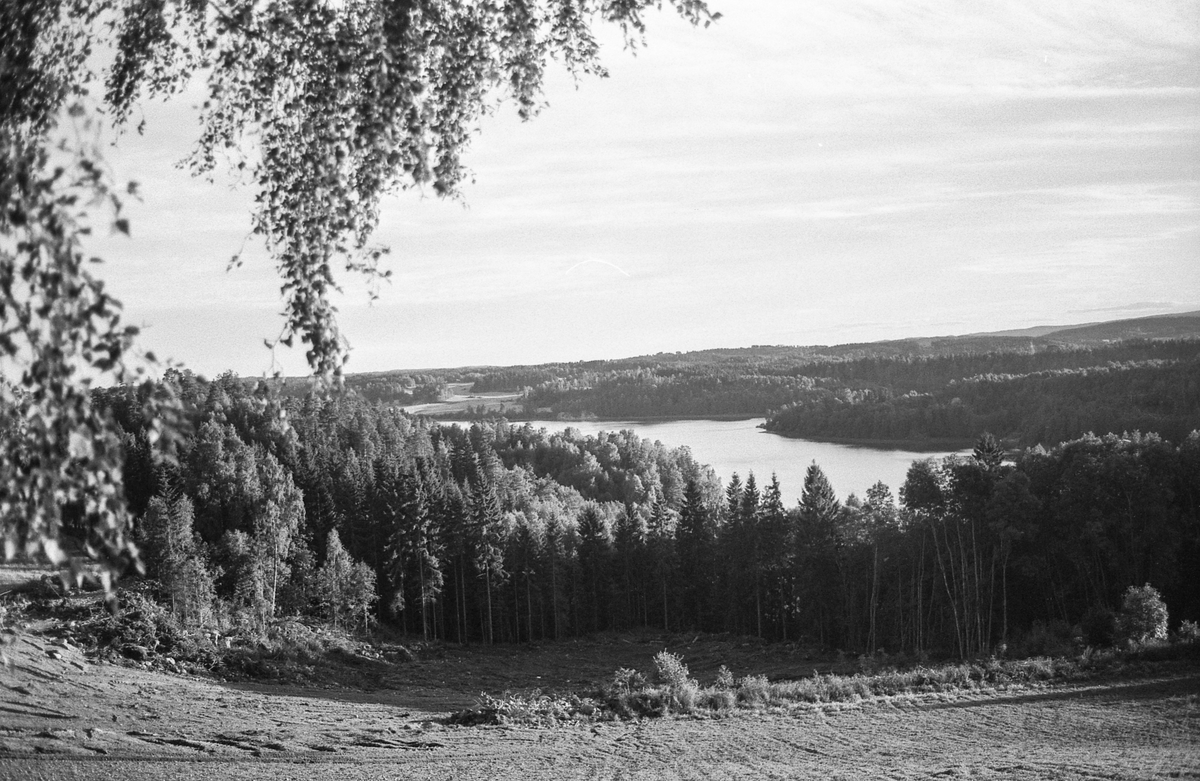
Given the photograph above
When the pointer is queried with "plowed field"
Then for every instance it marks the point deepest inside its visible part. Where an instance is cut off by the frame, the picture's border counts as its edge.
(62, 716)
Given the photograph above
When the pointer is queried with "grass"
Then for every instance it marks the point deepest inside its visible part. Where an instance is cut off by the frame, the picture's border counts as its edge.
(672, 690)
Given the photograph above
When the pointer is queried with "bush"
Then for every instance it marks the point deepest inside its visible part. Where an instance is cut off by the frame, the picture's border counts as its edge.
(1055, 638)
(673, 674)
(725, 678)
(718, 699)
(1099, 627)
(670, 670)
(536, 709)
(754, 689)
(626, 681)
(1143, 615)
(1189, 631)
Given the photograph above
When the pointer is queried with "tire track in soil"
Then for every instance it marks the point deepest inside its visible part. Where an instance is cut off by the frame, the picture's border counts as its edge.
(121, 723)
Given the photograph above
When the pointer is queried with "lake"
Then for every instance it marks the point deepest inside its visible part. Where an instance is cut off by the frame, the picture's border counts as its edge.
(730, 446)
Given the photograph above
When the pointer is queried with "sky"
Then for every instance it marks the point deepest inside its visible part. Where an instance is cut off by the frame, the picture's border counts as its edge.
(797, 173)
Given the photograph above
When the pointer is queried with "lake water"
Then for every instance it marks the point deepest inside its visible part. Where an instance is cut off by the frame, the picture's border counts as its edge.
(730, 446)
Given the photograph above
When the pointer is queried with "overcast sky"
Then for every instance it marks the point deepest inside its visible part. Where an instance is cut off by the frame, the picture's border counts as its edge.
(799, 173)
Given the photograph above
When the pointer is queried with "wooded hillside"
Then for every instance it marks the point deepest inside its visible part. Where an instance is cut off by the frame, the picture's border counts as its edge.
(351, 513)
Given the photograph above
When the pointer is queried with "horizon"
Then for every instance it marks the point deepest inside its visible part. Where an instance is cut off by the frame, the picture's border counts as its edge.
(1002, 332)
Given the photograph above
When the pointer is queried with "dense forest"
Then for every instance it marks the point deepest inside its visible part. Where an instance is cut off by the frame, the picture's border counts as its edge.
(350, 512)
(1036, 407)
(1036, 389)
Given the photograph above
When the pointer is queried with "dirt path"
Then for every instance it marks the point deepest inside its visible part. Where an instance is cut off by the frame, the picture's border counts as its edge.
(63, 717)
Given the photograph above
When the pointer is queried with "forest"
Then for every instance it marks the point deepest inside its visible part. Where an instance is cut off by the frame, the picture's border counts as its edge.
(1028, 390)
(349, 512)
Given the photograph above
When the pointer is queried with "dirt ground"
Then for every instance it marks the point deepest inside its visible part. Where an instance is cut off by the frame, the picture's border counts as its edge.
(64, 716)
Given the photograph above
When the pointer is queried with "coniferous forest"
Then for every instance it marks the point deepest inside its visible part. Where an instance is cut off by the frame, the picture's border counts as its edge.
(350, 512)
(1027, 390)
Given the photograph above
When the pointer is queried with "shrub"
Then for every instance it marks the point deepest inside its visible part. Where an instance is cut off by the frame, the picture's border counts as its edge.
(627, 681)
(535, 709)
(1143, 615)
(1055, 638)
(673, 674)
(717, 699)
(1189, 631)
(754, 689)
(632, 705)
(670, 670)
(725, 678)
(1099, 627)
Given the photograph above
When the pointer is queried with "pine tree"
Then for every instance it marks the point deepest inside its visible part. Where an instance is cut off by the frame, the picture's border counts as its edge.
(487, 521)
(778, 546)
(347, 586)
(595, 549)
(988, 452)
(174, 557)
(629, 544)
(695, 541)
(752, 553)
(816, 563)
(661, 543)
(818, 503)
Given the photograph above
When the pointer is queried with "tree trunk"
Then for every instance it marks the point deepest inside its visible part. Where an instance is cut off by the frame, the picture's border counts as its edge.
(664, 584)
(487, 576)
(874, 598)
(758, 604)
(529, 606)
(424, 625)
(554, 595)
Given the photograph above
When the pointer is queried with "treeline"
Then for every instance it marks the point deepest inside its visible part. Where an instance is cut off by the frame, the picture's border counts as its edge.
(647, 393)
(1028, 390)
(1033, 395)
(1039, 407)
(352, 513)
(426, 526)
(398, 388)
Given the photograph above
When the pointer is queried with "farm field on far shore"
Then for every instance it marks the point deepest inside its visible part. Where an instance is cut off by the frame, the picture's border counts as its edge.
(461, 403)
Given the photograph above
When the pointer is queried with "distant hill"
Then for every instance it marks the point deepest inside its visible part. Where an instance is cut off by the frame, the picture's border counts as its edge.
(1184, 325)
(1180, 325)
(1043, 384)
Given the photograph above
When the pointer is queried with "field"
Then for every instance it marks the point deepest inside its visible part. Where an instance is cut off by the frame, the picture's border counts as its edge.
(461, 401)
(64, 716)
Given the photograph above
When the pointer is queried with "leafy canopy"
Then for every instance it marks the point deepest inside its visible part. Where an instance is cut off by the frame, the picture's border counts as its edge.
(327, 105)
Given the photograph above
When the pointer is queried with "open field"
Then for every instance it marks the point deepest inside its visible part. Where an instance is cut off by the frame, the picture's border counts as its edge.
(62, 716)
(461, 403)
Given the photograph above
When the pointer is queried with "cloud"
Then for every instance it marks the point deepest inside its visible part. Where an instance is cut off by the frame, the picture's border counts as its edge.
(833, 168)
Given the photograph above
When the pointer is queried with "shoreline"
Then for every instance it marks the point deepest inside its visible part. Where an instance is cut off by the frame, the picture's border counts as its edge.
(928, 445)
(629, 419)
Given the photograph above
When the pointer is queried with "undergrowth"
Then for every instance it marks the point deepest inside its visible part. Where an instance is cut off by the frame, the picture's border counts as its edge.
(671, 690)
(144, 633)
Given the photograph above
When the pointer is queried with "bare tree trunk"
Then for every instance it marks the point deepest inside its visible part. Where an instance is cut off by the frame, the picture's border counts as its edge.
(664, 584)
(462, 596)
(529, 606)
(554, 594)
(758, 603)
(487, 576)
(874, 597)
(516, 610)
(950, 593)
(1004, 580)
(424, 624)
